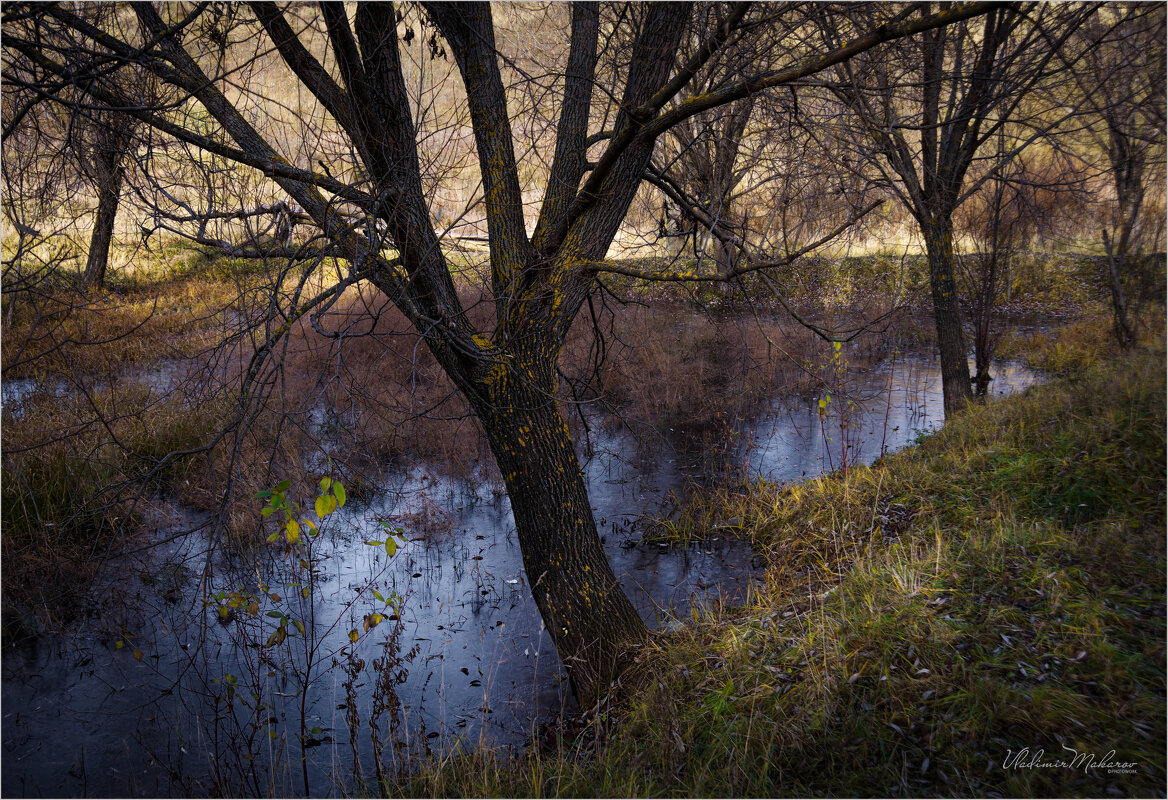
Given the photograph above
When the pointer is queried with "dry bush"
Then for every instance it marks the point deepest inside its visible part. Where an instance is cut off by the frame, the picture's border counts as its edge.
(363, 389)
(382, 395)
(670, 367)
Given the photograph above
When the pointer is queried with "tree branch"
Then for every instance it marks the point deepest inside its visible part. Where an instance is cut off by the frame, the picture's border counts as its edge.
(689, 276)
(569, 162)
(469, 30)
(307, 68)
(884, 33)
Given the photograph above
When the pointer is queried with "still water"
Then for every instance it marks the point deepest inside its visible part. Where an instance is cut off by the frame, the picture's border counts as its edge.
(158, 692)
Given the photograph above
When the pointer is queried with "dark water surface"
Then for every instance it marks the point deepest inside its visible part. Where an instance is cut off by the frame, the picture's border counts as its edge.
(207, 710)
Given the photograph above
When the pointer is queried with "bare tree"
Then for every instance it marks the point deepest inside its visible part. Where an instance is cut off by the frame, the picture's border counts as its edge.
(698, 159)
(924, 110)
(538, 282)
(90, 146)
(109, 140)
(1026, 199)
(749, 177)
(707, 156)
(1121, 78)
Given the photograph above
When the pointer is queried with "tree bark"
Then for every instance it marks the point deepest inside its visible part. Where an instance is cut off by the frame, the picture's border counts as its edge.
(591, 621)
(947, 313)
(110, 174)
(1125, 333)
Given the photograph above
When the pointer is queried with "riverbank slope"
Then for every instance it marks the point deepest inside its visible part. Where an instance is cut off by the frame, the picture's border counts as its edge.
(979, 615)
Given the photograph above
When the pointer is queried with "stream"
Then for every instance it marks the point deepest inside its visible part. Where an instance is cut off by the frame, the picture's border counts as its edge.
(160, 692)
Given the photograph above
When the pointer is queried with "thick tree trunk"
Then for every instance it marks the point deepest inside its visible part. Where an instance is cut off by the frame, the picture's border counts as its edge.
(947, 314)
(109, 172)
(591, 621)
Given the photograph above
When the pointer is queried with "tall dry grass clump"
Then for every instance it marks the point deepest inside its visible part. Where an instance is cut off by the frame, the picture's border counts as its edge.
(80, 474)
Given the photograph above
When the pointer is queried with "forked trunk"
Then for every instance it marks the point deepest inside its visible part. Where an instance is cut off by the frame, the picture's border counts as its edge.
(591, 621)
(947, 313)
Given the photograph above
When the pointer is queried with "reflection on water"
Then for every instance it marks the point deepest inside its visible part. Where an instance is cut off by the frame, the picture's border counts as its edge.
(80, 716)
(892, 406)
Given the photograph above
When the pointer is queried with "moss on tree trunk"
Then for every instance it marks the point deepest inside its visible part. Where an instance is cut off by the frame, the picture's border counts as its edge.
(590, 619)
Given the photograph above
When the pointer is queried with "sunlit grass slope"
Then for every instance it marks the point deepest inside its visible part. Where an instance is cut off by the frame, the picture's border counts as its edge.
(998, 589)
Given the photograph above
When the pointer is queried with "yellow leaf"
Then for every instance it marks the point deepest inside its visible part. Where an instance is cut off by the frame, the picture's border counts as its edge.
(353, 635)
(119, 644)
(137, 654)
(293, 531)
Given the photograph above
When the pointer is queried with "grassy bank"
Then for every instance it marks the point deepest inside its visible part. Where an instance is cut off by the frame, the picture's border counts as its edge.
(998, 589)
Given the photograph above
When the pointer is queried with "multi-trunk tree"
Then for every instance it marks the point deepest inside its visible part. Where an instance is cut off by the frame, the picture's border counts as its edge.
(1027, 200)
(922, 113)
(347, 59)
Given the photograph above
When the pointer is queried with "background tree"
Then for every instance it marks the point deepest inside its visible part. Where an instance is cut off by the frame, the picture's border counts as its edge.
(1027, 199)
(1121, 78)
(924, 110)
(376, 219)
(104, 153)
(89, 147)
(699, 157)
(750, 177)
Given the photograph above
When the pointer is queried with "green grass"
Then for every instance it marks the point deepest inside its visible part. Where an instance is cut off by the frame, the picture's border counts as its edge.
(999, 587)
